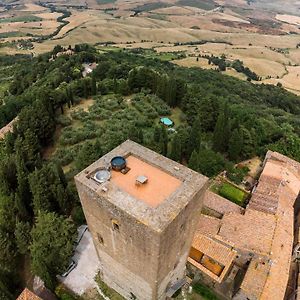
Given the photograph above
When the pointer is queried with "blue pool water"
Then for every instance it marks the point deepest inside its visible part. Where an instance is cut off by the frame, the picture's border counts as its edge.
(166, 121)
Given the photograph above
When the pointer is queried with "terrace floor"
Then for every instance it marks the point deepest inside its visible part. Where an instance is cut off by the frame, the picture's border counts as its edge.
(160, 185)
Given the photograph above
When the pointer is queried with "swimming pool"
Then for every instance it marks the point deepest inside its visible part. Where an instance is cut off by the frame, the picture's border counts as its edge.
(166, 121)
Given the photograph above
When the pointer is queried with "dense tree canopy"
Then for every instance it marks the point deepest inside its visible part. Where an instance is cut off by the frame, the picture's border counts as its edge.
(221, 119)
(52, 245)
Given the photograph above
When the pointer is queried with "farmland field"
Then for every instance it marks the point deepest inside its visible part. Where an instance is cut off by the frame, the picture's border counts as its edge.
(264, 35)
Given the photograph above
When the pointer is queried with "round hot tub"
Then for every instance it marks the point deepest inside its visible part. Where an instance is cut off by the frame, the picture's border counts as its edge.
(102, 176)
(118, 163)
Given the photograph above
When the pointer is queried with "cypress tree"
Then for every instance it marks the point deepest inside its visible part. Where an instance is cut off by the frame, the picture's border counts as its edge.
(8, 262)
(10, 139)
(218, 137)
(52, 245)
(248, 143)
(94, 86)
(171, 92)
(227, 125)
(20, 207)
(5, 291)
(140, 136)
(71, 96)
(180, 91)
(194, 161)
(210, 162)
(176, 150)
(195, 136)
(48, 189)
(222, 131)
(28, 149)
(85, 89)
(161, 90)
(235, 145)
(22, 234)
(23, 194)
(156, 135)
(8, 176)
(163, 141)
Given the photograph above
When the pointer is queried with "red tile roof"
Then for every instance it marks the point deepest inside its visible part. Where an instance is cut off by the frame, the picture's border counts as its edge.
(28, 295)
(266, 228)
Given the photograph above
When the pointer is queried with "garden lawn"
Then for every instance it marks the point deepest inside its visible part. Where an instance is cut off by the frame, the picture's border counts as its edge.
(232, 193)
(204, 291)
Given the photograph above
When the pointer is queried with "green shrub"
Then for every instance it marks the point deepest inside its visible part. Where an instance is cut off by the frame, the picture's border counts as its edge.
(107, 291)
(159, 105)
(237, 175)
(71, 136)
(140, 102)
(80, 115)
(64, 294)
(63, 156)
(63, 121)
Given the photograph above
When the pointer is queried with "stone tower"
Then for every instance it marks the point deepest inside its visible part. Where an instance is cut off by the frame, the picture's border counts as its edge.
(142, 218)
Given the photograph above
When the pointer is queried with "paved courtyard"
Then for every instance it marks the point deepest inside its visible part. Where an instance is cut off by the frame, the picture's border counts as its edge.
(81, 278)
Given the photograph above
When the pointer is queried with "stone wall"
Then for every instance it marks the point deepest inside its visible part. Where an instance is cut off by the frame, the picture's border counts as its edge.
(142, 250)
(128, 254)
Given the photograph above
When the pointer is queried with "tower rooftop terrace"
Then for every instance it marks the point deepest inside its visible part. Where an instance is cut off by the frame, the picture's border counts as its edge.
(159, 186)
(168, 189)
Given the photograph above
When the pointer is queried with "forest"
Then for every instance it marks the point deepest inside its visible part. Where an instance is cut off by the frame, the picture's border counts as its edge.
(219, 121)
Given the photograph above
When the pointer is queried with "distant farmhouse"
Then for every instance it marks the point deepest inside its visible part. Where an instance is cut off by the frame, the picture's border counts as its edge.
(6, 129)
(68, 52)
(88, 68)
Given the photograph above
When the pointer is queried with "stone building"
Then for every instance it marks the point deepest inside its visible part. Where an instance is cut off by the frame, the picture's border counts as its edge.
(246, 254)
(142, 210)
(28, 295)
(8, 128)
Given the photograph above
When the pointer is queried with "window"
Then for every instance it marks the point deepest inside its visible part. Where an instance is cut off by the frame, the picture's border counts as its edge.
(100, 238)
(115, 225)
(212, 265)
(195, 254)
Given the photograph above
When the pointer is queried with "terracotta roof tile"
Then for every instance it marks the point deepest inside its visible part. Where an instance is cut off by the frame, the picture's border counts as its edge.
(219, 204)
(223, 254)
(208, 225)
(28, 295)
(252, 231)
(255, 278)
(266, 228)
